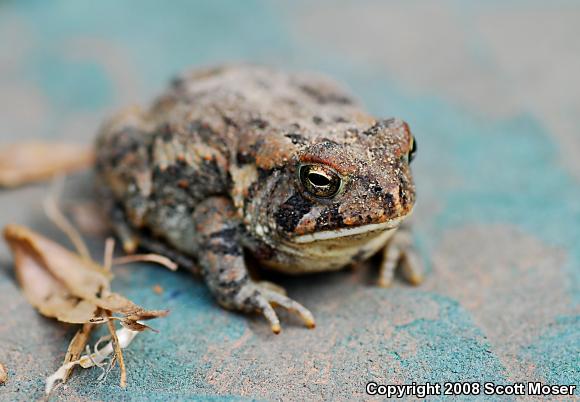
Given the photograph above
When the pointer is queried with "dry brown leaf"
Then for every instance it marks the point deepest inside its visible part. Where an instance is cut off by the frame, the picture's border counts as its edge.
(62, 285)
(26, 162)
(74, 289)
(81, 313)
(131, 312)
(116, 303)
(41, 288)
(57, 282)
(136, 326)
(3, 374)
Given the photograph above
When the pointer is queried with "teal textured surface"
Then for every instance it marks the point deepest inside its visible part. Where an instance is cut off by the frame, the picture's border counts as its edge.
(492, 103)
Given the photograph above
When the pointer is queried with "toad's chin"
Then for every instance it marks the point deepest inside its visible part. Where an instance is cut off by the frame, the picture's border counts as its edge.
(333, 249)
(354, 232)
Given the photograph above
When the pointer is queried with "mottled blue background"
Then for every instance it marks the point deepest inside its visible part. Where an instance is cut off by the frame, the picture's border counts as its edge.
(490, 89)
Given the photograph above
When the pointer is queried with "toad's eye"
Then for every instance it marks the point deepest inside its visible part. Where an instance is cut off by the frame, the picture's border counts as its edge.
(320, 181)
(413, 150)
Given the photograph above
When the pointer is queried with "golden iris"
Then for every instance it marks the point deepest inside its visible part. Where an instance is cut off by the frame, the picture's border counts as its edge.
(320, 181)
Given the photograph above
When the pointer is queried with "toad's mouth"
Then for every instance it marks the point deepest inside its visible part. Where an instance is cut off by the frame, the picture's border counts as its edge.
(348, 232)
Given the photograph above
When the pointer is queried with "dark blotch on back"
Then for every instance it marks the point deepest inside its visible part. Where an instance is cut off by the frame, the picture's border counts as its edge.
(165, 133)
(296, 139)
(374, 129)
(229, 121)
(259, 123)
(203, 130)
(128, 142)
(205, 178)
(380, 125)
(327, 143)
(290, 213)
(389, 122)
(325, 97)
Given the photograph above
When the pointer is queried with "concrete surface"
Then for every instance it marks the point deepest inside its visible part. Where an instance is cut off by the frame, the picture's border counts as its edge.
(491, 92)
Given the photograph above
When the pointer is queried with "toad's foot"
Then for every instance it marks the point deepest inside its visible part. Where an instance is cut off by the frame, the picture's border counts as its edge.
(224, 267)
(399, 251)
(257, 297)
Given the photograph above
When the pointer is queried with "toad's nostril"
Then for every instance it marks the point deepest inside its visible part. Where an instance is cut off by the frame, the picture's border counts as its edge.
(389, 202)
(403, 196)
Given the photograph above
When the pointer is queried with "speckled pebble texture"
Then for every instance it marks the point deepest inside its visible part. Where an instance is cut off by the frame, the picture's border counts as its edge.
(489, 89)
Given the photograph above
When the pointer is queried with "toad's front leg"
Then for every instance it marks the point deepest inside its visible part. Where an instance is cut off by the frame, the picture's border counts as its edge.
(399, 251)
(223, 267)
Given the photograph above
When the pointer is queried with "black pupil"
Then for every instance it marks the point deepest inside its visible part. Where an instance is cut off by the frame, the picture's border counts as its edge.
(318, 179)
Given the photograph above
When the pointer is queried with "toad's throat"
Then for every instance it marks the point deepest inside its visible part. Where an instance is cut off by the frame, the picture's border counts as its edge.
(347, 232)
